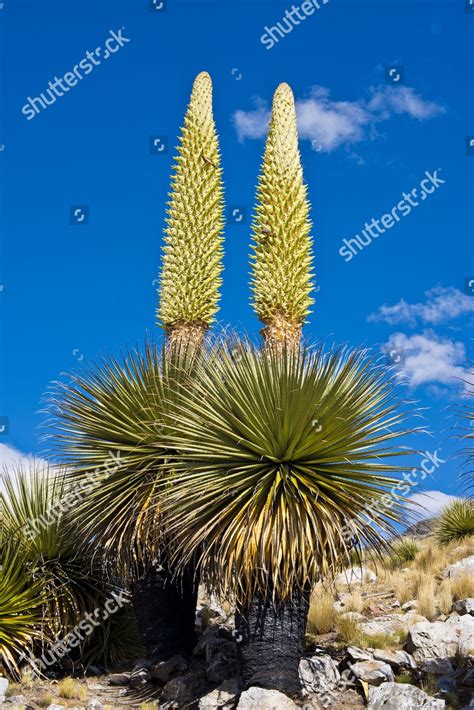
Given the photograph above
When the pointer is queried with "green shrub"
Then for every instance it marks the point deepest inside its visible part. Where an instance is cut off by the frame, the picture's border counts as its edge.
(405, 550)
(456, 522)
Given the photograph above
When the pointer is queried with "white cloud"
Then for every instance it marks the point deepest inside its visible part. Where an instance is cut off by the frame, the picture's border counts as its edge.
(441, 304)
(432, 503)
(11, 460)
(329, 124)
(429, 358)
(391, 100)
(252, 124)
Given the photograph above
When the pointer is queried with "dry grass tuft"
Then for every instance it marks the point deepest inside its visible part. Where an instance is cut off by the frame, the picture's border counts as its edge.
(321, 615)
(462, 587)
(69, 688)
(445, 596)
(349, 632)
(426, 596)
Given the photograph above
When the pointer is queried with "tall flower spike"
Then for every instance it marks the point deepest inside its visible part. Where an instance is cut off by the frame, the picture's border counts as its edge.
(192, 253)
(282, 253)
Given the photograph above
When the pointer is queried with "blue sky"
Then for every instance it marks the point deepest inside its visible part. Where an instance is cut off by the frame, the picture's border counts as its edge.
(72, 292)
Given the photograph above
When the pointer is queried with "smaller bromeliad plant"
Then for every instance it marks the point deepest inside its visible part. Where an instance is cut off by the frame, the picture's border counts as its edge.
(48, 580)
(456, 522)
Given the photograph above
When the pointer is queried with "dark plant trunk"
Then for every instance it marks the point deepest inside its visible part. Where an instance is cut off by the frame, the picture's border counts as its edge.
(165, 610)
(271, 641)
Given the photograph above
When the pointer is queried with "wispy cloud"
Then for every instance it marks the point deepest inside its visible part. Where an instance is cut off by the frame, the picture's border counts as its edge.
(441, 304)
(432, 503)
(11, 460)
(329, 124)
(429, 359)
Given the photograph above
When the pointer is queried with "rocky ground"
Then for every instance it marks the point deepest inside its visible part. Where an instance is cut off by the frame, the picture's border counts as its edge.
(386, 655)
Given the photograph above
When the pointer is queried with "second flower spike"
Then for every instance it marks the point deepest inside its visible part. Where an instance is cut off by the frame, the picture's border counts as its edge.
(192, 254)
(282, 249)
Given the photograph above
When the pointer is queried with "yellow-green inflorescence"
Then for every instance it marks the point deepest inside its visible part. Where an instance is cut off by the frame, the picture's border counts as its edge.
(192, 254)
(281, 261)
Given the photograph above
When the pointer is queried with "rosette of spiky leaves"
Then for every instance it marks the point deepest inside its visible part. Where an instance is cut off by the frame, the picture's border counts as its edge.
(40, 514)
(22, 599)
(108, 425)
(456, 522)
(115, 640)
(282, 466)
(282, 252)
(192, 253)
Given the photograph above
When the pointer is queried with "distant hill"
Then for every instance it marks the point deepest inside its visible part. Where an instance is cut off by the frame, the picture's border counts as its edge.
(422, 528)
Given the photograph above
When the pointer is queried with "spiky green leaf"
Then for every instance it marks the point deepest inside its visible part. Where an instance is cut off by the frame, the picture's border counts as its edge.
(282, 464)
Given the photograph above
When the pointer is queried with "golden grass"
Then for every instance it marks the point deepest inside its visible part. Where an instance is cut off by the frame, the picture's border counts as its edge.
(69, 688)
(445, 596)
(349, 632)
(462, 587)
(321, 615)
(355, 603)
(426, 596)
(44, 701)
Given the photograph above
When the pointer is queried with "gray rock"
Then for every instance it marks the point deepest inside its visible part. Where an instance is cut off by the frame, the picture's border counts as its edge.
(358, 654)
(411, 605)
(356, 575)
(391, 623)
(461, 568)
(164, 670)
(185, 688)
(434, 646)
(262, 699)
(53, 706)
(464, 606)
(401, 696)
(118, 679)
(18, 700)
(3, 689)
(139, 678)
(398, 660)
(222, 661)
(94, 704)
(318, 674)
(224, 697)
(353, 616)
(373, 672)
